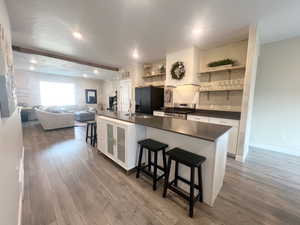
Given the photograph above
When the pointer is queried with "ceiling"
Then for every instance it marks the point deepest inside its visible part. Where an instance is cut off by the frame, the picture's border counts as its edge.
(113, 29)
(54, 66)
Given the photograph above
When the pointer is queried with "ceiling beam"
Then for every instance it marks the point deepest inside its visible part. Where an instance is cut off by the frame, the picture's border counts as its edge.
(62, 57)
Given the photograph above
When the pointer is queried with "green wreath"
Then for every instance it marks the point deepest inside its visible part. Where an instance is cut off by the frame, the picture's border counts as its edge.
(178, 70)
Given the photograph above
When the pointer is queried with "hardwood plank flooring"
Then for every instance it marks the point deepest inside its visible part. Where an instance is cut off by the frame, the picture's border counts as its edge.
(68, 183)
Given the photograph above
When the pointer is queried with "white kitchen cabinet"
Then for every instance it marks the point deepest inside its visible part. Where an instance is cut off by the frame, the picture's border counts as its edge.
(222, 121)
(118, 140)
(158, 113)
(198, 118)
(234, 132)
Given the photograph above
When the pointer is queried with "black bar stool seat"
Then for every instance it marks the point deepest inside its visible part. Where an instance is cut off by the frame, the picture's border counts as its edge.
(193, 161)
(187, 158)
(152, 146)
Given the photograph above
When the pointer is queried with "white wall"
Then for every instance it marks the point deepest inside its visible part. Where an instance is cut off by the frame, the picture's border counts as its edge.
(276, 121)
(236, 51)
(195, 61)
(10, 153)
(27, 81)
(248, 92)
(11, 148)
(108, 88)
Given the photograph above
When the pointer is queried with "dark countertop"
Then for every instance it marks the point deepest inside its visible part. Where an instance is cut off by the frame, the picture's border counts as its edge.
(205, 131)
(218, 114)
(213, 113)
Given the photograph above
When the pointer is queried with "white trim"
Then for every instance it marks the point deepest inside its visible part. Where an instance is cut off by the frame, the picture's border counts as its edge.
(281, 149)
(21, 182)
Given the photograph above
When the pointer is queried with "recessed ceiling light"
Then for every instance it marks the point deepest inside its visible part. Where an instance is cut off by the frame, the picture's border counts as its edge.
(196, 31)
(77, 35)
(84, 75)
(96, 71)
(33, 61)
(32, 68)
(135, 54)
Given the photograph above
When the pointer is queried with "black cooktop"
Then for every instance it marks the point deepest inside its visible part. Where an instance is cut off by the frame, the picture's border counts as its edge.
(178, 110)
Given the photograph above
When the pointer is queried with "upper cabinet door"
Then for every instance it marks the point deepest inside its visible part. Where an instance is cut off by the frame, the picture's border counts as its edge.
(121, 143)
(110, 140)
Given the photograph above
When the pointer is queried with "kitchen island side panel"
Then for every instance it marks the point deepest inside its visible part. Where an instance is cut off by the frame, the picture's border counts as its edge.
(212, 174)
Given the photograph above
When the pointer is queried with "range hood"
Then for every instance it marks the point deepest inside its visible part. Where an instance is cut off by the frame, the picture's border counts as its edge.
(191, 60)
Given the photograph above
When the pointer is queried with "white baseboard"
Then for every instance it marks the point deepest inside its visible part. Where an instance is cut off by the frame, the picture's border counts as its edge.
(21, 182)
(274, 148)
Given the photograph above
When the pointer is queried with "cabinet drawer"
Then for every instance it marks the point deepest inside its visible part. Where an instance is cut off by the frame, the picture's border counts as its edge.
(198, 118)
(158, 113)
(229, 122)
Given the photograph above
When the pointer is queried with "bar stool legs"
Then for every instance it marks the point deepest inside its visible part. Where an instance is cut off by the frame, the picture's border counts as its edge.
(192, 180)
(155, 172)
(140, 162)
(200, 183)
(153, 147)
(94, 135)
(192, 161)
(149, 161)
(167, 177)
(91, 133)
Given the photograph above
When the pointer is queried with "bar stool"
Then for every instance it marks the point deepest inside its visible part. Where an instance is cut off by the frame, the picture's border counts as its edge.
(91, 128)
(193, 161)
(155, 147)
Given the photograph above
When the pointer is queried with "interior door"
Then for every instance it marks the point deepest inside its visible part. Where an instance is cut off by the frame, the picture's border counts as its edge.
(121, 144)
(125, 95)
(110, 140)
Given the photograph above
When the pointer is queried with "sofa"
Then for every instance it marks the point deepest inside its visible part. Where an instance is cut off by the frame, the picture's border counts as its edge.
(83, 116)
(54, 120)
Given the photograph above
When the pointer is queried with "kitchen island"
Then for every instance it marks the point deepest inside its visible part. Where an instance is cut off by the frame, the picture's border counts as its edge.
(118, 134)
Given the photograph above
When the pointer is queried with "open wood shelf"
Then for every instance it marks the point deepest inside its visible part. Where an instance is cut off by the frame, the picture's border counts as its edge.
(158, 85)
(221, 108)
(155, 75)
(229, 68)
(216, 90)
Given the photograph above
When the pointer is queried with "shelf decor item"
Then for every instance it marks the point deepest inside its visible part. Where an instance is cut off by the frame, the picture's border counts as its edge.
(222, 62)
(162, 68)
(178, 70)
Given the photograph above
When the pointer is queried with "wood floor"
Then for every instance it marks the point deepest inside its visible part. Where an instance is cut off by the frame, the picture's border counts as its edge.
(69, 183)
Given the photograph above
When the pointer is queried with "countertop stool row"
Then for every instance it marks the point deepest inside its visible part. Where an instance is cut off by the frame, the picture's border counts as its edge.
(180, 156)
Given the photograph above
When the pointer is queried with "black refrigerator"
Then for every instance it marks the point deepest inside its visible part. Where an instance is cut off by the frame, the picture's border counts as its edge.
(148, 99)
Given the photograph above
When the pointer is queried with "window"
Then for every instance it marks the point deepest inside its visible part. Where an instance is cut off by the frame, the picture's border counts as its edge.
(57, 94)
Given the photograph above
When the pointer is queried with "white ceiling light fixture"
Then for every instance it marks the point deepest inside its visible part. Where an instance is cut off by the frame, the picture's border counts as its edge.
(33, 61)
(96, 71)
(77, 35)
(32, 68)
(135, 54)
(84, 75)
(196, 31)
